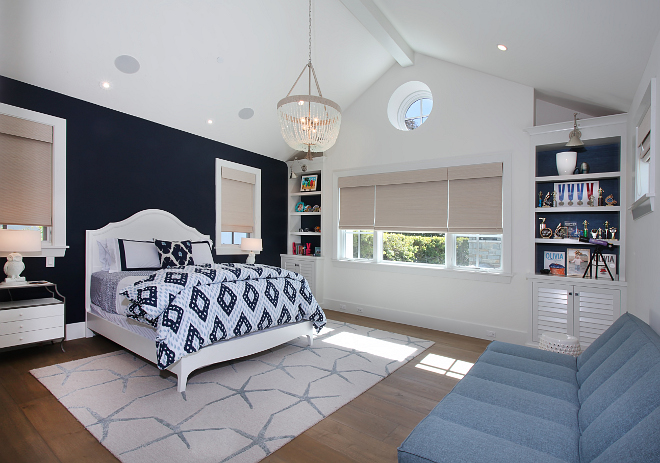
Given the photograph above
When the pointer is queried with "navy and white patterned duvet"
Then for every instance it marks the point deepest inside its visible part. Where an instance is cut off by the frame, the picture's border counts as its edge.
(195, 306)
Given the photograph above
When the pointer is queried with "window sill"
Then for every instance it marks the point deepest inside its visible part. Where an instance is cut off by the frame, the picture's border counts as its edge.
(641, 207)
(425, 270)
(46, 251)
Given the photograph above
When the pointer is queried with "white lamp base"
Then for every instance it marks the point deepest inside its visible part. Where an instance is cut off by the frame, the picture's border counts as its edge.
(250, 258)
(14, 267)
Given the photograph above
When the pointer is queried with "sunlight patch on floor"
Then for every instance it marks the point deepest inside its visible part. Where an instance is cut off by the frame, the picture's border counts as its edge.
(385, 349)
(445, 366)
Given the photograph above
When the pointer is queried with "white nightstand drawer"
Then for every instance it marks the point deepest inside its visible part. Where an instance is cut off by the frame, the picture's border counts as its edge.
(52, 308)
(31, 336)
(23, 326)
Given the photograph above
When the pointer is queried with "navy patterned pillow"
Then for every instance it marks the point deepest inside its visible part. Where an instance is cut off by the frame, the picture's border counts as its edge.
(174, 253)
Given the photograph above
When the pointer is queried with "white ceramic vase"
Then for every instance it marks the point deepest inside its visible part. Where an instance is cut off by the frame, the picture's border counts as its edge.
(566, 161)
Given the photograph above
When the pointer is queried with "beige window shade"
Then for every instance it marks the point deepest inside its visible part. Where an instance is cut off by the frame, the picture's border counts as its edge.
(475, 198)
(237, 192)
(356, 208)
(26, 166)
(412, 201)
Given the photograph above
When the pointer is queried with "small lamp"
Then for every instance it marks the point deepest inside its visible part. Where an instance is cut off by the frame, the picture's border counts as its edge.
(251, 244)
(15, 242)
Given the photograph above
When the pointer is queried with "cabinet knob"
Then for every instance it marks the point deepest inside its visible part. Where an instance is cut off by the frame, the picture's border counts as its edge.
(20, 314)
(570, 294)
(20, 339)
(20, 326)
(577, 294)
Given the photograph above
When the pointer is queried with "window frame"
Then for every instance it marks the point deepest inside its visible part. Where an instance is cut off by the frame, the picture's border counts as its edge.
(235, 249)
(449, 270)
(644, 189)
(56, 245)
(407, 103)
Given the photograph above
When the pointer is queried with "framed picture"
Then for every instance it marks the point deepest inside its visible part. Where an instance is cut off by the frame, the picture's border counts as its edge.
(317, 251)
(578, 261)
(308, 182)
(555, 262)
(300, 207)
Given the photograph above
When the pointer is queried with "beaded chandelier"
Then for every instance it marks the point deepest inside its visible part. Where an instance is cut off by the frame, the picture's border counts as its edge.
(309, 123)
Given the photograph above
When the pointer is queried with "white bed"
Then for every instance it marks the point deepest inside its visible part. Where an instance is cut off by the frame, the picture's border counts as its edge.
(155, 223)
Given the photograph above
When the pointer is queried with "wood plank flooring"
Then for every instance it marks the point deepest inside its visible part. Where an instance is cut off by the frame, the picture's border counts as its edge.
(35, 427)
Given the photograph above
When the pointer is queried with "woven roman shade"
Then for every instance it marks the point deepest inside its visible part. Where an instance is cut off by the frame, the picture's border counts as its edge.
(356, 207)
(413, 201)
(26, 166)
(644, 137)
(475, 198)
(237, 196)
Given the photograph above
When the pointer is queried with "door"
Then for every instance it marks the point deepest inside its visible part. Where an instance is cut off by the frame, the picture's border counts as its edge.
(552, 309)
(595, 311)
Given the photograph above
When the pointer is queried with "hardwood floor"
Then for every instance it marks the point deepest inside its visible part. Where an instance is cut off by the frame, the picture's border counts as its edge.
(35, 427)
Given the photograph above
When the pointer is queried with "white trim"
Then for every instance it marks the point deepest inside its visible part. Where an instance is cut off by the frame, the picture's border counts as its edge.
(407, 102)
(229, 249)
(463, 273)
(75, 331)
(57, 245)
(446, 325)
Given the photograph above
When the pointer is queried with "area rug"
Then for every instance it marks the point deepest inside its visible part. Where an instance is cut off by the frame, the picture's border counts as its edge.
(238, 411)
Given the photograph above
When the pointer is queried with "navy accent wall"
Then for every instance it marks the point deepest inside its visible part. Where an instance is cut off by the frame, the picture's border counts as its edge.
(119, 164)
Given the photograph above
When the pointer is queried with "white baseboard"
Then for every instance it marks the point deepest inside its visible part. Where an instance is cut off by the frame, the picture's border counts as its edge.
(474, 330)
(75, 330)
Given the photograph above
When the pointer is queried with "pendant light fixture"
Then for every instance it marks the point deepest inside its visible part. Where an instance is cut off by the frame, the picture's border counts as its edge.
(574, 136)
(309, 123)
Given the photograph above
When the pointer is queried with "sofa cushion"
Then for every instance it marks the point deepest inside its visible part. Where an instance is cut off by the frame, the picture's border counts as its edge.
(464, 429)
(624, 426)
(533, 354)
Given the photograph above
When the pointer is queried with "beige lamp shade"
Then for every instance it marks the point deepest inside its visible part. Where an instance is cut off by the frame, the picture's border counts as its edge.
(20, 240)
(251, 244)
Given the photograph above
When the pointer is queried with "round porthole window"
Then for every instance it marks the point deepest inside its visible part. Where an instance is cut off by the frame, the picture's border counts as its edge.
(410, 105)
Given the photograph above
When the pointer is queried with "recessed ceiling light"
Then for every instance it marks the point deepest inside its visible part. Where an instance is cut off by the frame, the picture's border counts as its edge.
(127, 64)
(209, 122)
(502, 47)
(246, 113)
(105, 84)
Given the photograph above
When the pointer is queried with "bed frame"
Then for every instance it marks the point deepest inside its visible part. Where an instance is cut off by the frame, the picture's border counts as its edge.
(155, 223)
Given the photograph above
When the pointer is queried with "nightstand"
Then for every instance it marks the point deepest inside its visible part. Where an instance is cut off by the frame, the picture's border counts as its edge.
(31, 320)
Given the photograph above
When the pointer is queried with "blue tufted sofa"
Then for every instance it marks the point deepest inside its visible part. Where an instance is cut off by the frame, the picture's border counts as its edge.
(519, 404)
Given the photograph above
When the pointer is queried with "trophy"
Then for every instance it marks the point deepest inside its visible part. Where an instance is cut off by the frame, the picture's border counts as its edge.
(540, 199)
(600, 197)
(612, 233)
(585, 233)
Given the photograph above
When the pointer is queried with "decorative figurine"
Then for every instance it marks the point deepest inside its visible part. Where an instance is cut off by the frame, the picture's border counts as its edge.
(561, 232)
(594, 233)
(612, 233)
(540, 199)
(317, 229)
(600, 233)
(607, 230)
(308, 251)
(316, 208)
(547, 202)
(591, 201)
(586, 231)
(600, 196)
(584, 168)
(610, 201)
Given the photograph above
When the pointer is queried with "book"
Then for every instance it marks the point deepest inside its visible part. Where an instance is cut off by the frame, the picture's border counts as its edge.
(610, 261)
(578, 261)
(555, 262)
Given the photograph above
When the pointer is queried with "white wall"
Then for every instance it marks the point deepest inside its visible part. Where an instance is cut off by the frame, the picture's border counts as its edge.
(550, 113)
(643, 251)
(473, 114)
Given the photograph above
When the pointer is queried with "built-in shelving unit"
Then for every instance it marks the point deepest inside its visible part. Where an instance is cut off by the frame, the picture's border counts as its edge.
(582, 307)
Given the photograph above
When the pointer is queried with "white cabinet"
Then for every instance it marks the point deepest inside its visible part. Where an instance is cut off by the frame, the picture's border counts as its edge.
(581, 310)
(308, 266)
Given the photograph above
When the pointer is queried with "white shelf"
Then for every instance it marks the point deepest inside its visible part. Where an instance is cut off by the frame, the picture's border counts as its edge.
(305, 213)
(571, 241)
(579, 209)
(305, 193)
(305, 233)
(578, 177)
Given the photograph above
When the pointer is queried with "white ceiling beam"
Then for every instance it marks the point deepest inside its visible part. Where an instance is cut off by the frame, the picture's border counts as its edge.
(382, 29)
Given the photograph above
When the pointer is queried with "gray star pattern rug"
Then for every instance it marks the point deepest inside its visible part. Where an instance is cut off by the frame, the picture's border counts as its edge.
(239, 411)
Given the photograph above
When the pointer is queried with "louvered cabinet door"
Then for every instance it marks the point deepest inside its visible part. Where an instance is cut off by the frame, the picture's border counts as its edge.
(552, 309)
(595, 311)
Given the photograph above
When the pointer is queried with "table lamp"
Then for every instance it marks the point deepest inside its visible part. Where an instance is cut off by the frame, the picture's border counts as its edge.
(251, 244)
(15, 242)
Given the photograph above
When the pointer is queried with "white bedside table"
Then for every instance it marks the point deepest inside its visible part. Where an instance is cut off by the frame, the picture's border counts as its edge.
(32, 320)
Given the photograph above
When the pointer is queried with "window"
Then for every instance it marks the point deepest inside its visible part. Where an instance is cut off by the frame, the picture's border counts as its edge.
(237, 205)
(644, 157)
(410, 105)
(449, 217)
(16, 123)
(418, 112)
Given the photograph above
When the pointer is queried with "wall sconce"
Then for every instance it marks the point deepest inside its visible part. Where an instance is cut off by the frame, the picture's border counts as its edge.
(574, 136)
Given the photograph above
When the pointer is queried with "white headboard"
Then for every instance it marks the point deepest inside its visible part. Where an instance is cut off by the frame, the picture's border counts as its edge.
(144, 225)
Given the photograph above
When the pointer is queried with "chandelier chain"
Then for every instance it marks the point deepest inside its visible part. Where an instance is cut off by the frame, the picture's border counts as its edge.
(310, 31)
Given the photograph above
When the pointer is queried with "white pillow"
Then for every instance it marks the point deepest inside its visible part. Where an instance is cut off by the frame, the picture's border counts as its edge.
(202, 252)
(137, 255)
(104, 255)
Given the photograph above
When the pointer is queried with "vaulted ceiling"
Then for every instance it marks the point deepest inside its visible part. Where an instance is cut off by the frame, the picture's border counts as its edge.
(209, 59)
